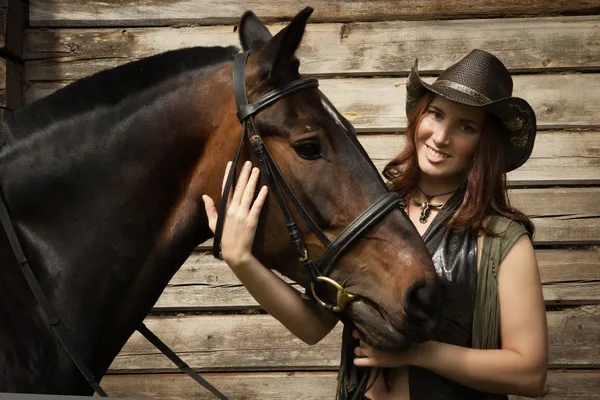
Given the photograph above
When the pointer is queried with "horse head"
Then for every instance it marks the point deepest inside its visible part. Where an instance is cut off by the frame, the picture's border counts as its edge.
(316, 149)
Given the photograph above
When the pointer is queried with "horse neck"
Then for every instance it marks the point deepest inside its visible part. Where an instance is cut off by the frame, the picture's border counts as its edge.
(111, 194)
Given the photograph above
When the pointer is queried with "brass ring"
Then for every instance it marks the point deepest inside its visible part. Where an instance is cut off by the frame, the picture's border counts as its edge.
(343, 297)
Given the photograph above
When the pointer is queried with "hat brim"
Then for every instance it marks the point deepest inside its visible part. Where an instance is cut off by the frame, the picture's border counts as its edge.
(516, 114)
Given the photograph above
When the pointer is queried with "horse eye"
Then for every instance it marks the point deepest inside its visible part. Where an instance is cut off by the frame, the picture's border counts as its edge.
(309, 150)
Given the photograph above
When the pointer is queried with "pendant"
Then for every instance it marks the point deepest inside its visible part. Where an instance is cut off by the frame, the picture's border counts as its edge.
(425, 211)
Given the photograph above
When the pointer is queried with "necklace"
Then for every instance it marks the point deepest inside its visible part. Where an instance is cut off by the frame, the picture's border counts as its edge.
(428, 205)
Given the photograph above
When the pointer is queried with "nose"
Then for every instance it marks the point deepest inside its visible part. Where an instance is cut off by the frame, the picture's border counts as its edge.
(441, 135)
(423, 304)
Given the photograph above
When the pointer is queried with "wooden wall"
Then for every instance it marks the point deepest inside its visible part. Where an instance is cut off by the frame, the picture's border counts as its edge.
(362, 52)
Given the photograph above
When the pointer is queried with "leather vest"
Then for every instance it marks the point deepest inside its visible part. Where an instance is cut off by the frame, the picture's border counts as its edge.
(454, 254)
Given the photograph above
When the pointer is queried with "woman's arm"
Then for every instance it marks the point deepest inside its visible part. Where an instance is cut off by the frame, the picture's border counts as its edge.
(302, 317)
(520, 366)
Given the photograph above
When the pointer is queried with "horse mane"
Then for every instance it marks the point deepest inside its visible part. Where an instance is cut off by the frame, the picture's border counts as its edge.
(109, 87)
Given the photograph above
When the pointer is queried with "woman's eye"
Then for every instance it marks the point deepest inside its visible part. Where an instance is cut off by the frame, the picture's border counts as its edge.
(308, 150)
(435, 114)
(468, 128)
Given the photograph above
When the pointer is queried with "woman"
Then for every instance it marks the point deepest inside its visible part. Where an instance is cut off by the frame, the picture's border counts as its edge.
(465, 131)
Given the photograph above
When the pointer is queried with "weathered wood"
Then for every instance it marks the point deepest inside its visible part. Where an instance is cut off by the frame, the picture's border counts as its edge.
(259, 342)
(10, 84)
(377, 105)
(206, 284)
(371, 48)
(206, 12)
(560, 385)
(12, 26)
(558, 158)
(561, 215)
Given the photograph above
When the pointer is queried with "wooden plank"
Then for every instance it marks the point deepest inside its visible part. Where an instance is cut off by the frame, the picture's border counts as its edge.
(206, 12)
(10, 84)
(377, 105)
(206, 284)
(558, 158)
(259, 342)
(370, 48)
(12, 26)
(560, 385)
(561, 215)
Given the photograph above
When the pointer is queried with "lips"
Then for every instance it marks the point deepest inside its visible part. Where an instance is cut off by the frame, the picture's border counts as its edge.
(435, 155)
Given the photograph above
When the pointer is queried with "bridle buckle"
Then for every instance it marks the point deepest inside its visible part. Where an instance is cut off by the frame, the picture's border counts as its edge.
(343, 297)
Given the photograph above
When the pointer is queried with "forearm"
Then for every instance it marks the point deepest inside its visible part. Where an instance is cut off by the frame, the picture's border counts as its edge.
(493, 371)
(302, 317)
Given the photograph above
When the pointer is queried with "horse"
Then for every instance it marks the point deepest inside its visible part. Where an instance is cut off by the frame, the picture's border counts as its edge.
(103, 182)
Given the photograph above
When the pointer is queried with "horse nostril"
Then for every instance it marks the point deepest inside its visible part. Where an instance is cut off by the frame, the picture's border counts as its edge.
(423, 301)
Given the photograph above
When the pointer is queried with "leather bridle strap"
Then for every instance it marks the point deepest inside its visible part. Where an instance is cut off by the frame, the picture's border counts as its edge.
(61, 333)
(270, 173)
(363, 223)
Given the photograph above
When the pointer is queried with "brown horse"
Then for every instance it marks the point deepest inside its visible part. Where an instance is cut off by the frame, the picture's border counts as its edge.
(103, 181)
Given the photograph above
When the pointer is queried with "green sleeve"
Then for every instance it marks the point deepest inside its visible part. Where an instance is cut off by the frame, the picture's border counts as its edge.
(486, 315)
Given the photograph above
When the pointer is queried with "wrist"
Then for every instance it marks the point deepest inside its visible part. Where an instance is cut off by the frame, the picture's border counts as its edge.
(422, 354)
(239, 262)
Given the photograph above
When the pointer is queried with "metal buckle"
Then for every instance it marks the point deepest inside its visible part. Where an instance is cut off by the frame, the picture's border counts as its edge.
(343, 297)
(304, 257)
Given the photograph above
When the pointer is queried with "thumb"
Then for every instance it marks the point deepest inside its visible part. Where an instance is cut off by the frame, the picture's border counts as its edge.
(211, 212)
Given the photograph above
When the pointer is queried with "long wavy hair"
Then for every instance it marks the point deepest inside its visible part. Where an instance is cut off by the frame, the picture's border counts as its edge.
(484, 180)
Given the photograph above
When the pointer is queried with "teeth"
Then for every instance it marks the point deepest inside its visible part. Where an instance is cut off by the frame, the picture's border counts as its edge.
(437, 153)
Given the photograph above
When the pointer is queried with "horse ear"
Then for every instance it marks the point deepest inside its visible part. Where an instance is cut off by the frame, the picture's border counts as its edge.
(253, 33)
(278, 54)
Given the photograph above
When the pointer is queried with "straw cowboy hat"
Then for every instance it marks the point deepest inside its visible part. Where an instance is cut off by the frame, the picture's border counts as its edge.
(481, 80)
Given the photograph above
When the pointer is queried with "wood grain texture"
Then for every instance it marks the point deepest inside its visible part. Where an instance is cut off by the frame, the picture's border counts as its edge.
(560, 385)
(12, 27)
(259, 342)
(203, 12)
(377, 104)
(366, 48)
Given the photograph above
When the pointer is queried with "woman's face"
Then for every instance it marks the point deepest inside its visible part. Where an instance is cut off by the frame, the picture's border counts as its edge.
(446, 137)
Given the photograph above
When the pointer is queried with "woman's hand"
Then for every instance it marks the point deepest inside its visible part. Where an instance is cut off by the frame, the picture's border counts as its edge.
(367, 356)
(242, 215)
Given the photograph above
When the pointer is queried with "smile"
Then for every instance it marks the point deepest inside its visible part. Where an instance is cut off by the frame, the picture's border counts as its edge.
(437, 153)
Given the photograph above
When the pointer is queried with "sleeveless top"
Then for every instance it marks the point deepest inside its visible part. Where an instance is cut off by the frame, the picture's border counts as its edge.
(454, 254)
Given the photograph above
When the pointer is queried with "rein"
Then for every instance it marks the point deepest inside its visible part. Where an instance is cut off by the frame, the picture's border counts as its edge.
(53, 320)
(278, 186)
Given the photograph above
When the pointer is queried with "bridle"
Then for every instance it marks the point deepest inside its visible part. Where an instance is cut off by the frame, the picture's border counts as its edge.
(278, 187)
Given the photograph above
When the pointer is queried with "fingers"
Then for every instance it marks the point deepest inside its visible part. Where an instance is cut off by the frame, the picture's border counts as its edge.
(355, 334)
(211, 212)
(250, 189)
(227, 168)
(241, 184)
(257, 206)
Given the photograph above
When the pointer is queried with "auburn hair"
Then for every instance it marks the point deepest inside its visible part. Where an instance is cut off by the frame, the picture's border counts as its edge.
(484, 180)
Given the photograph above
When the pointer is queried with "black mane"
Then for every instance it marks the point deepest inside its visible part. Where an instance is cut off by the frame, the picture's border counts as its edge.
(111, 86)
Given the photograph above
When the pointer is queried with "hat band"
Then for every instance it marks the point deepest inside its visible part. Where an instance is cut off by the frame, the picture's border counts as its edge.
(463, 89)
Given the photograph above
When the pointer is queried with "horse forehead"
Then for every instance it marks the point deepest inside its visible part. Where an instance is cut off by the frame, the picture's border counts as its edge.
(333, 114)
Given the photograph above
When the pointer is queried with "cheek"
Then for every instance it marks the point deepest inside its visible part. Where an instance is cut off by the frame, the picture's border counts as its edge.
(424, 130)
(466, 146)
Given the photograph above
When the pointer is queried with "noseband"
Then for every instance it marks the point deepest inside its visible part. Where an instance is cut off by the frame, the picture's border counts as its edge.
(278, 186)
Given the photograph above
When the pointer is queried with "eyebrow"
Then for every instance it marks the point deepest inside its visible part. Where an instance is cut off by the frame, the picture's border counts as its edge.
(461, 119)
